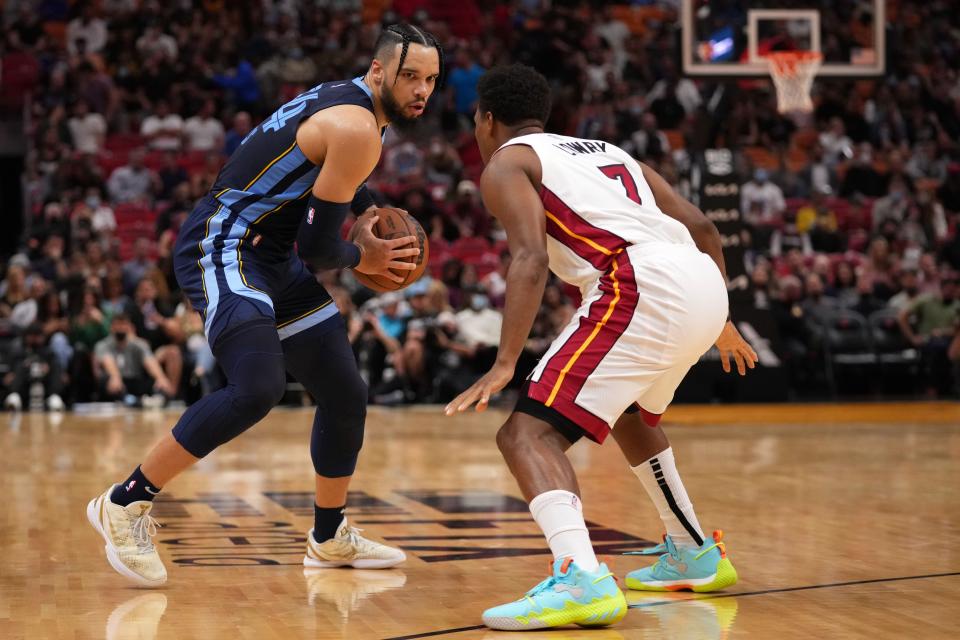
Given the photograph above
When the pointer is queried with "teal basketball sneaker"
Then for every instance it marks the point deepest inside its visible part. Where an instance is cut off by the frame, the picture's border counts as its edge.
(702, 569)
(569, 596)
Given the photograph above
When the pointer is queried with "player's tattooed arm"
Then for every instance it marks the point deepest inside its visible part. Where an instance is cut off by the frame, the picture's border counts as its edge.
(509, 188)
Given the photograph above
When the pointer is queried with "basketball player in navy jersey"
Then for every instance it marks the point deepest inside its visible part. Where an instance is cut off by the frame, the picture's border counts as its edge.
(294, 178)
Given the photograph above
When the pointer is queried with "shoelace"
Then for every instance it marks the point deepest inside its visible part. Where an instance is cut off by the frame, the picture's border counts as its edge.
(144, 528)
(605, 576)
(552, 580)
(543, 586)
(353, 535)
(673, 552)
(649, 551)
(549, 582)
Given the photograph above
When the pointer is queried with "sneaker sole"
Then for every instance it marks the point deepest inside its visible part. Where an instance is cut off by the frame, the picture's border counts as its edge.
(111, 551)
(725, 576)
(600, 613)
(362, 563)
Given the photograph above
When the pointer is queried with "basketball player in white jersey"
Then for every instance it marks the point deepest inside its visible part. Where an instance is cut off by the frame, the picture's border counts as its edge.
(650, 269)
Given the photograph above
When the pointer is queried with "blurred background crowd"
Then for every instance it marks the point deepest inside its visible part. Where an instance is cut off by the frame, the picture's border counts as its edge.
(130, 108)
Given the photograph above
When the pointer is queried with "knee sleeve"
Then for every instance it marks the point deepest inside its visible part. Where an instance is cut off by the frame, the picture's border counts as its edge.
(260, 384)
(253, 362)
(321, 359)
(338, 427)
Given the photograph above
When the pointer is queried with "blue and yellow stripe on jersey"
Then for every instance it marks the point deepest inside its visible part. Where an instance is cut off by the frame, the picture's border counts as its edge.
(263, 188)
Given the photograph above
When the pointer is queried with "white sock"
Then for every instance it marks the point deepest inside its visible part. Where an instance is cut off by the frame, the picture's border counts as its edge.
(660, 478)
(560, 516)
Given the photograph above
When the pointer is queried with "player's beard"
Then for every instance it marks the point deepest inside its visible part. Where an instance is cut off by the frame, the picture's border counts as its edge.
(394, 112)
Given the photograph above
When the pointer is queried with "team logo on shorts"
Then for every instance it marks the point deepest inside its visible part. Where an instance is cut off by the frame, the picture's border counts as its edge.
(310, 215)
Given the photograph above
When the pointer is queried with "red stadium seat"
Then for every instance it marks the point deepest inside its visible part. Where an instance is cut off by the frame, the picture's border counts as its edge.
(470, 249)
(123, 142)
(795, 204)
(438, 245)
(154, 160)
(193, 161)
(132, 212)
(108, 161)
(483, 269)
(470, 153)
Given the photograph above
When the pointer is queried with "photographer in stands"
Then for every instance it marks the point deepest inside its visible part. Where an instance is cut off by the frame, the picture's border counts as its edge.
(126, 367)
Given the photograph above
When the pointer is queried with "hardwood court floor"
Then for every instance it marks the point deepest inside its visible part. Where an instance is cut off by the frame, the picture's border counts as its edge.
(844, 522)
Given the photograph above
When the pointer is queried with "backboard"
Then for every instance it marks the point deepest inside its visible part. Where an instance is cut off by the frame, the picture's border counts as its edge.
(730, 37)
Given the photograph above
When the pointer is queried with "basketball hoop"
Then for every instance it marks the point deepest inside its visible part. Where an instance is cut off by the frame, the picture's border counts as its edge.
(793, 73)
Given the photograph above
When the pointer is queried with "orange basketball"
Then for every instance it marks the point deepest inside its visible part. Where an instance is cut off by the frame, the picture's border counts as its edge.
(395, 223)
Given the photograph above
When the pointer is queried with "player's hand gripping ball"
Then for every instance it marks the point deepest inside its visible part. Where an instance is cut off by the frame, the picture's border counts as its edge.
(394, 223)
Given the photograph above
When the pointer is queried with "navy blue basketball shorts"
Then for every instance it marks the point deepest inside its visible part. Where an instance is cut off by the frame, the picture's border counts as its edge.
(233, 277)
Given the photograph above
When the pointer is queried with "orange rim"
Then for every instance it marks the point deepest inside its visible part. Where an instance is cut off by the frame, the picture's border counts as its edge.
(786, 62)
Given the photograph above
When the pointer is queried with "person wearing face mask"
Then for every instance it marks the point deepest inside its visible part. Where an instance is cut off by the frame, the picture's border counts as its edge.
(467, 344)
(125, 365)
(297, 68)
(480, 324)
(762, 206)
(101, 215)
(34, 364)
(893, 206)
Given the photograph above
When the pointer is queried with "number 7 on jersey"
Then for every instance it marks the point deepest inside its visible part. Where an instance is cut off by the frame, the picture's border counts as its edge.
(621, 173)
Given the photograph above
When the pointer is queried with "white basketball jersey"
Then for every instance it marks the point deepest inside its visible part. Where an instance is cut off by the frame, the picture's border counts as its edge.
(597, 204)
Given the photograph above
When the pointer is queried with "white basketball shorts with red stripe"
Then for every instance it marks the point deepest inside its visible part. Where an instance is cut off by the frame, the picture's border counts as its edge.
(640, 328)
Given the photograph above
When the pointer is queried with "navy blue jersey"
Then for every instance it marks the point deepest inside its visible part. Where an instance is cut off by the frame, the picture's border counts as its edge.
(265, 184)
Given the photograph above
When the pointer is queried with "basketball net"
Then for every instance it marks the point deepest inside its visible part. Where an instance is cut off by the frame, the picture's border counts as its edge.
(793, 73)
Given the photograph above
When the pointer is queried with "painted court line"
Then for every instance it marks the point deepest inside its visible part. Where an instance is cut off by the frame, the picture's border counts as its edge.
(658, 603)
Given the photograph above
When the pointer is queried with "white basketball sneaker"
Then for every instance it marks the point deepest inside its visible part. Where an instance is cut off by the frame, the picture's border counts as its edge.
(349, 549)
(55, 403)
(128, 533)
(13, 402)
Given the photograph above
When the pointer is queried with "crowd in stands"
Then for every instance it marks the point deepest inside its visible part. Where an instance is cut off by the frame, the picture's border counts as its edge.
(132, 108)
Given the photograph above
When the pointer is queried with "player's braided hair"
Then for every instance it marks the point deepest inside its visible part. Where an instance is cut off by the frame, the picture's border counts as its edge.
(403, 34)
